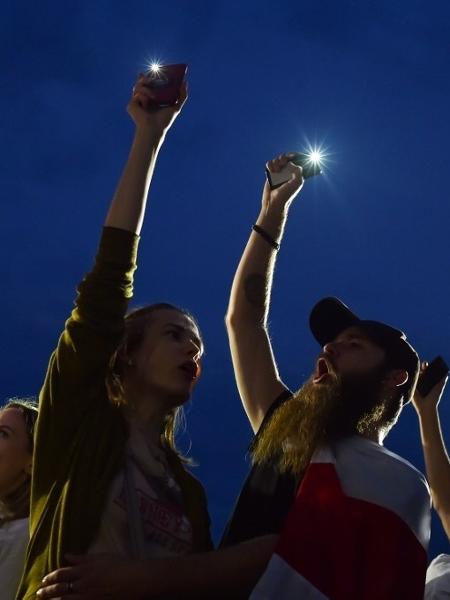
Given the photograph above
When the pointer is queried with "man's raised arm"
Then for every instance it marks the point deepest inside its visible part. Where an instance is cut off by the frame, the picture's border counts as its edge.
(254, 364)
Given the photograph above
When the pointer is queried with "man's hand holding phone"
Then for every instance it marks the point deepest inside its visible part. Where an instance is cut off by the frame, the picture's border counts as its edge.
(283, 195)
(309, 162)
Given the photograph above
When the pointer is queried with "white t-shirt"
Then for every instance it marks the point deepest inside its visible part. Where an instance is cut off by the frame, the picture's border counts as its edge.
(14, 537)
(437, 585)
(166, 528)
(369, 471)
(366, 471)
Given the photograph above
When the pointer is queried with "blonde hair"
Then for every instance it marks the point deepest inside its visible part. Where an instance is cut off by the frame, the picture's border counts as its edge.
(136, 323)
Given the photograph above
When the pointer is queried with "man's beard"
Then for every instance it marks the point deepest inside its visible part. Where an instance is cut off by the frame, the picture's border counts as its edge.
(320, 414)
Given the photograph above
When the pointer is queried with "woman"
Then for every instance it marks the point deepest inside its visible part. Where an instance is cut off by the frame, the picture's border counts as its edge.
(17, 419)
(107, 477)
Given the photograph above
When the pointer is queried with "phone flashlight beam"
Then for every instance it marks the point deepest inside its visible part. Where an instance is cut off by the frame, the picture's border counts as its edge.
(311, 162)
(315, 157)
(155, 67)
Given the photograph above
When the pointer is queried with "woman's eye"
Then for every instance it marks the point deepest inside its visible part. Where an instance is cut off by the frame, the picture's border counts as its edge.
(174, 334)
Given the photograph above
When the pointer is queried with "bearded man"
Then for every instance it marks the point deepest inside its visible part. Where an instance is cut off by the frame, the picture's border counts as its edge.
(321, 475)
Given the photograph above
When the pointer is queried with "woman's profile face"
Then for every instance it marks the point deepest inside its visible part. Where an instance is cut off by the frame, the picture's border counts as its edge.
(15, 456)
(168, 359)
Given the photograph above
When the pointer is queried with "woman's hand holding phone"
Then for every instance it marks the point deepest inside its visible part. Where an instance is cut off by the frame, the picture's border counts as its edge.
(145, 112)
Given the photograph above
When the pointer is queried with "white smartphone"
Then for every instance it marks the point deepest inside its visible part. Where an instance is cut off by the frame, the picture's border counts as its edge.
(310, 168)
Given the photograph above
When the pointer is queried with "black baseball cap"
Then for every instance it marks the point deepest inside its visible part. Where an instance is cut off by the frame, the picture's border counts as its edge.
(330, 317)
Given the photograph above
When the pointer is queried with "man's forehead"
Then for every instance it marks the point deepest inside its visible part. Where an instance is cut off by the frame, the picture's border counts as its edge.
(354, 332)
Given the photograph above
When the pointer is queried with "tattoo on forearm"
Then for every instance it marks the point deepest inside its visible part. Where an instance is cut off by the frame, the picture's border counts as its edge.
(255, 289)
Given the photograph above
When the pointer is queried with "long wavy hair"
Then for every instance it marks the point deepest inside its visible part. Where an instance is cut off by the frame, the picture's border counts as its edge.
(318, 415)
(136, 323)
(17, 504)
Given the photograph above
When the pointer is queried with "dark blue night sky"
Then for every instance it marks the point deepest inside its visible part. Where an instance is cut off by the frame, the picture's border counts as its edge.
(369, 80)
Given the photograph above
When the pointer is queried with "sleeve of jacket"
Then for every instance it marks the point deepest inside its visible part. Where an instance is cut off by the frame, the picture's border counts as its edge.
(76, 372)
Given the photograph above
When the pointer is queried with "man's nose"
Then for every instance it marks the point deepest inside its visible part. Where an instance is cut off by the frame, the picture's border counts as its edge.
(330, 348)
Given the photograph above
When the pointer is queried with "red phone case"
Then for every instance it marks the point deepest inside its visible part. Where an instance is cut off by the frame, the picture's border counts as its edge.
(165, 83)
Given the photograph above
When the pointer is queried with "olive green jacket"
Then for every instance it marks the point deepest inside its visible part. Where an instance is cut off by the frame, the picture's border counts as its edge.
(81, 437)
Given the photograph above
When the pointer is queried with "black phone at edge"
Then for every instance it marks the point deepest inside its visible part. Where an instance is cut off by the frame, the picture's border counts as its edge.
(436, 370)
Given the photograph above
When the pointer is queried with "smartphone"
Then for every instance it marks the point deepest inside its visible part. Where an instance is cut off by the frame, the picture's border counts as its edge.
(301, 159)
(165, 82)
(436, 370)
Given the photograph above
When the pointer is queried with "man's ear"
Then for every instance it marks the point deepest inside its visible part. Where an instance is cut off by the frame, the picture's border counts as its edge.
(397, 377)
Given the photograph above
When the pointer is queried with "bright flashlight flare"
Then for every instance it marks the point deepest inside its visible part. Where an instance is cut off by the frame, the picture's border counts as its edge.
(315, 156)
(155, 67)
